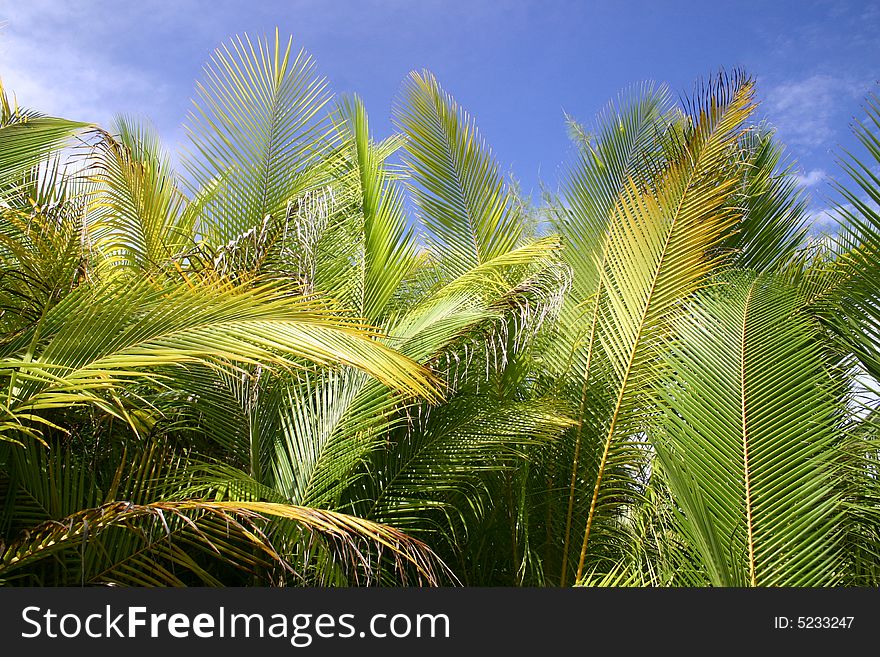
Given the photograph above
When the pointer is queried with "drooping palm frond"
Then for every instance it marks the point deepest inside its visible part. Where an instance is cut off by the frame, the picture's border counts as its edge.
(861, 222)
(27, 139)
(462, 198)
(133, 329)
(38, 485)
(333, 423)
(135, 527)
(330, 427)
(243, 520)
(747, 438)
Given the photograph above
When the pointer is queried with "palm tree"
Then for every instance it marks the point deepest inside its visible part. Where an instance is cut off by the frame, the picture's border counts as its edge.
(264, 371)
(114, 323)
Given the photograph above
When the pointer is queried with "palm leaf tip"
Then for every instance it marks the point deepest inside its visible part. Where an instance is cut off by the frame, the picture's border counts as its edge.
(458, 188)
(257, 123)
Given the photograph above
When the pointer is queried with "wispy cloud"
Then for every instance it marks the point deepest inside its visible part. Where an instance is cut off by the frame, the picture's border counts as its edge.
(810, 178)
(823, 219)
(807, 111)
(829, 217)
(49, 59)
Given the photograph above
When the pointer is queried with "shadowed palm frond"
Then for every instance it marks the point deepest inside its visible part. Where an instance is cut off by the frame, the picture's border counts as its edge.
(747, 439)
(774, 222)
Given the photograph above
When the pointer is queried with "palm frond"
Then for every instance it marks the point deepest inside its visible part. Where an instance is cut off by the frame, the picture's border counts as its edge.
(257, 126)
(389, 246)
(747, 439)
(658, 248)
(774, 222)
(44, 252)
(139, 218)
(132, 329)
(30, 140)
(461, 195)
(440, 464)
(624, 145)
(243, 520)
(859, 241)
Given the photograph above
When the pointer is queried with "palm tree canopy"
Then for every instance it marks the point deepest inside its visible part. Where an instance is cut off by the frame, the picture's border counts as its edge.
(319, 357)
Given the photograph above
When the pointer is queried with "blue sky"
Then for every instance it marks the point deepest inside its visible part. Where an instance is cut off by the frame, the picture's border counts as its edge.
(515, 65)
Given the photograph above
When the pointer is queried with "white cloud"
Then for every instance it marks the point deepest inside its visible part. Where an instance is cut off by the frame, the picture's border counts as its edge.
(806, 112)
(50, 61)
(823, 218)
(813, 177)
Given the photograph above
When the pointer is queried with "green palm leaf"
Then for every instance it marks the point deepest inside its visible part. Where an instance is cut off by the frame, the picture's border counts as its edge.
(657, 252)
(461, 196)
(748, 434)
(257, 126)
(28, 141)
(389, 246)
(627, 147)
(92, 344)
(139, 218)
(774, 210)
(859, 243)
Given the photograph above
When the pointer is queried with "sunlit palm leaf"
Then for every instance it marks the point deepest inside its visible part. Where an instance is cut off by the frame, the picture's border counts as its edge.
(626, 145)
(139, 218)
(257, 126)
(389, 245)
(462, 198)
(27, 143)
(95, 341)
(626, 149)
(659, 250)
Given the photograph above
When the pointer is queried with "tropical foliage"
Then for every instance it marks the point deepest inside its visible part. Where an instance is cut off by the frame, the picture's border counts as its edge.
(311, 356)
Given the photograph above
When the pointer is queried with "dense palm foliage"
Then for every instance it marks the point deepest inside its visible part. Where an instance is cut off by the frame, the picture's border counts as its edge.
(315, 357)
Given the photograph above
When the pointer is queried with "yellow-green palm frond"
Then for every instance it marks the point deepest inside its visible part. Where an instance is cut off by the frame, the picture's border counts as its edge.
(461, 196)
(91, 344)
(659, 248)
(389, 246)
(139, 218)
